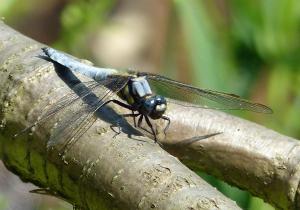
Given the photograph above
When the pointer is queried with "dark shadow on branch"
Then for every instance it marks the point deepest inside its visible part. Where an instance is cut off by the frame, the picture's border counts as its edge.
(187, 142)
(105, 113)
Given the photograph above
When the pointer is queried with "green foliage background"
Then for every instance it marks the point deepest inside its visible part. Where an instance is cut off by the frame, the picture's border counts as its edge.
(246, 47)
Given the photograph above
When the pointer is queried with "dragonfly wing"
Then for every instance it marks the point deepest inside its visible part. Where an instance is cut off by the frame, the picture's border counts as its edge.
(79, 91)
(79, 115)
(188, 95)
(73, 125)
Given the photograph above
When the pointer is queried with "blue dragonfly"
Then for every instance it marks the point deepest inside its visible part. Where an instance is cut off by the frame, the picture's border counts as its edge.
(140, 92)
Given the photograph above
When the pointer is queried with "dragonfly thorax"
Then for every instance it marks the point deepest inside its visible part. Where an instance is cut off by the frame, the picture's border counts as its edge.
(138, 94)
(135, 91)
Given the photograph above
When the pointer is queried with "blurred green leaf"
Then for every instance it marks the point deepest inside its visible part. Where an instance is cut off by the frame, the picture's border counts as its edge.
(6, 5)
(79, 21)
(207, 54)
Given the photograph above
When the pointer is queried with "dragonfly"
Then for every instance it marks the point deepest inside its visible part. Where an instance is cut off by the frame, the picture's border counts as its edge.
(139, 92)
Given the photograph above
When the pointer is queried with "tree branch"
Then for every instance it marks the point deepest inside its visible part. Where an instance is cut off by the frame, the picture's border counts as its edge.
(246, 155)
(99, 171)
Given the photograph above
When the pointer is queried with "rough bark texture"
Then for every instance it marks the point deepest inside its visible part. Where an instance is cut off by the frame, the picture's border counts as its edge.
(99, 171)
(246, 155)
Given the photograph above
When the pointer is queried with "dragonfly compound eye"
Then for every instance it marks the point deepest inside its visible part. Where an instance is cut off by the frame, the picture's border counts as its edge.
(161, 104)
(160, 100)
(148, 106)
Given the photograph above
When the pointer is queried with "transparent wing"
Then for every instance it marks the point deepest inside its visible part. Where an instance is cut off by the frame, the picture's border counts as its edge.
(79, 91)
(79, 106)
(79, 115)
(72, 126)
(69, 99)
(188, 95)
(73, 120)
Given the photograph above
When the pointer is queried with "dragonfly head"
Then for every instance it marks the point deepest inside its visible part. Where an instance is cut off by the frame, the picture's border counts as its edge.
(154, 107)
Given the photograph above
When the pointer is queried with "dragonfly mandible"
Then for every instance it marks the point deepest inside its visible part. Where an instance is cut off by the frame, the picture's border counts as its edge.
(136, 90)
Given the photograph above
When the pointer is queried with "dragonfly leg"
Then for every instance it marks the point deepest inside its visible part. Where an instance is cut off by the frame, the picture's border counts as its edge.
(139, 121)
(150, 125)
(123, 116)
(134, 119)
(119, 103)
(166, 128)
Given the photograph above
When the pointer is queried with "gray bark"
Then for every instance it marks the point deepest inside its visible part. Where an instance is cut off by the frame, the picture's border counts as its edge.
(130, 171)
(99, 171)
(246, 155)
